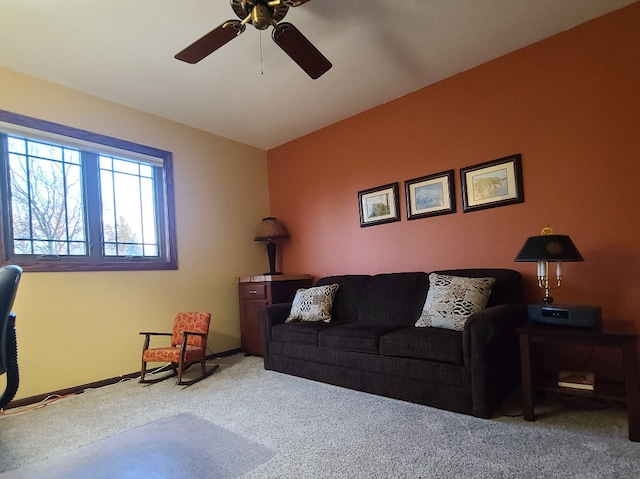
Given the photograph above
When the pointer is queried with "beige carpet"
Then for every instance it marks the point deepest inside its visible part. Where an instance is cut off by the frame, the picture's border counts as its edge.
(180, 446)
(320, 431)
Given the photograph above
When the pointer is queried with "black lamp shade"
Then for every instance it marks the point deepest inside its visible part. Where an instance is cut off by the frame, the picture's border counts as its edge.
(549, 248)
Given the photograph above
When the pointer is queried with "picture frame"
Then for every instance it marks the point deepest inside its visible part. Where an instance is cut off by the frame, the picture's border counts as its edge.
(493, 183)
(379, 205)
(430, 195)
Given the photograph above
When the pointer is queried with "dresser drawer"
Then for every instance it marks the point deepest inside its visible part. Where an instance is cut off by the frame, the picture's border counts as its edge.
(253, 291)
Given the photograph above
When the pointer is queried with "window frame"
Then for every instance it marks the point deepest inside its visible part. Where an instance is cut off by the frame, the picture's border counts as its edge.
(95, 260)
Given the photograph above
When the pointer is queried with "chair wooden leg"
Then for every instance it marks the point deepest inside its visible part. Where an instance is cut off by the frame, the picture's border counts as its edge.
(181, 366)
(143, 371)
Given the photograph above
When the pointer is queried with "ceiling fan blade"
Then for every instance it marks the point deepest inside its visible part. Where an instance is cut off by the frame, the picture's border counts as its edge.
(301, 50)
(213, 40)
(294, 3)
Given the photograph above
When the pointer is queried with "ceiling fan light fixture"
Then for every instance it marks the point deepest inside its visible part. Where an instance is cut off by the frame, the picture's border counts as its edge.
(261, 17)
(262, 14)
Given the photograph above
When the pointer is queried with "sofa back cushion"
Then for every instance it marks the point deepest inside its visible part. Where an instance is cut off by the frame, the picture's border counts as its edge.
(347, 298)
(396, 299)
(451, 300)
(507, 288)
(393, 299)
(313, 304)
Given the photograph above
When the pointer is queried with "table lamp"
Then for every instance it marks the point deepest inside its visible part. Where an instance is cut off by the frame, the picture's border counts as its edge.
(271, 229)
(545, 249)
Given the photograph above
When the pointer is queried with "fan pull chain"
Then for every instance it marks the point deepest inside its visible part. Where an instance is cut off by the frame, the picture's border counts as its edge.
(261, 55)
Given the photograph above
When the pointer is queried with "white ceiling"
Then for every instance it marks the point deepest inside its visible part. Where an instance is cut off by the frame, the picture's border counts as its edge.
(249, 90)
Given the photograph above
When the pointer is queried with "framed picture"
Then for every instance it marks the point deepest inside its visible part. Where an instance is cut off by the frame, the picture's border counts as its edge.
(430, 195)
(379, 205)
(491, 184)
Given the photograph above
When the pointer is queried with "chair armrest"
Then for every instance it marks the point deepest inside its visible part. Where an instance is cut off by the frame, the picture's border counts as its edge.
(185, 338)
(186, 333)
(147, 338)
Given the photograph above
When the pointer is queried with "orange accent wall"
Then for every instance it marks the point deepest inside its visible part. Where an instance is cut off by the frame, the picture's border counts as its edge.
(569, 104)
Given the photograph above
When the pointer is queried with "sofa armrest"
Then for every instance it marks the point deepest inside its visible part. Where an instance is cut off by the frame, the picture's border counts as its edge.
(491, 325)
(274, 314)
(270, 316)
(491, 353)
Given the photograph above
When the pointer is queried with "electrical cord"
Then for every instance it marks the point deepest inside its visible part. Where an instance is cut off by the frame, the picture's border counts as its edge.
(32, 407)
(52, 399)
(56, 397)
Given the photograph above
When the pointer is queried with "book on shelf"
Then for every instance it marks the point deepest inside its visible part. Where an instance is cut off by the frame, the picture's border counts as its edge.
(576, 380)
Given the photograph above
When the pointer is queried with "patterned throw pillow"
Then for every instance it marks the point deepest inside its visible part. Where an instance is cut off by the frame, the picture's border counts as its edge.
(452, 299)
(313, 304)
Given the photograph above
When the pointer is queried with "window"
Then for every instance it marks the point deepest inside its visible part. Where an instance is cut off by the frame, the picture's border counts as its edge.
(78, 201)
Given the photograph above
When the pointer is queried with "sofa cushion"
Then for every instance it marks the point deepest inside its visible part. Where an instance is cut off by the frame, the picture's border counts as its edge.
(304, 332)
(353, 337)
(347, 299)
(506, 289)
(313, 304)
(452, 299)
(444, 345)
(393, 299)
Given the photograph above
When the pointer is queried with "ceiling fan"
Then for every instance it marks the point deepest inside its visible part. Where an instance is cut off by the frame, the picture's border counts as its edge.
(262, 14)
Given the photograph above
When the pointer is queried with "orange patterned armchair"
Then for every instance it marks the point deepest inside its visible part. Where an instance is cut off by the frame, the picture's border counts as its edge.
(188, 346)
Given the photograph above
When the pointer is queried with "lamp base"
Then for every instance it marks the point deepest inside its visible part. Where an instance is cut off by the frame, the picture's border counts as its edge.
(271, 252)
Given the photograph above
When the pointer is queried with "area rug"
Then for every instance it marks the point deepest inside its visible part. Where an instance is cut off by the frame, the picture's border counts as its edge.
(183, 445)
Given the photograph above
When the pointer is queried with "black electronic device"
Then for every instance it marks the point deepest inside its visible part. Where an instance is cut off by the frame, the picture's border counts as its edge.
(581, 315)
(9, 279)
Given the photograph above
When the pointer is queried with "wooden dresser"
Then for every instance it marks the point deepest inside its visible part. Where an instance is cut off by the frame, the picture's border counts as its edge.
(255, 293)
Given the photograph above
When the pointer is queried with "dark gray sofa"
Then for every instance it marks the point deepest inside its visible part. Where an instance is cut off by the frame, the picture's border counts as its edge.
(372, 345)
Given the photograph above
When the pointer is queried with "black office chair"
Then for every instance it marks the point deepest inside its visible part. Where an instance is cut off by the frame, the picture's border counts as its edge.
(9, 279)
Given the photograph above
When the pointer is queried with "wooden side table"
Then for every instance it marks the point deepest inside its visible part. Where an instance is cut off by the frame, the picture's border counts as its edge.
(255, 293)
(612, 334)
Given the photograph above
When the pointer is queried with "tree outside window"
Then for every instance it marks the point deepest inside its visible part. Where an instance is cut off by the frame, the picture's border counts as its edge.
(72, 208)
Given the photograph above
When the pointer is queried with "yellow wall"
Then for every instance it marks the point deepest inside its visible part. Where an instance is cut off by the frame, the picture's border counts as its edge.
(76, 328)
